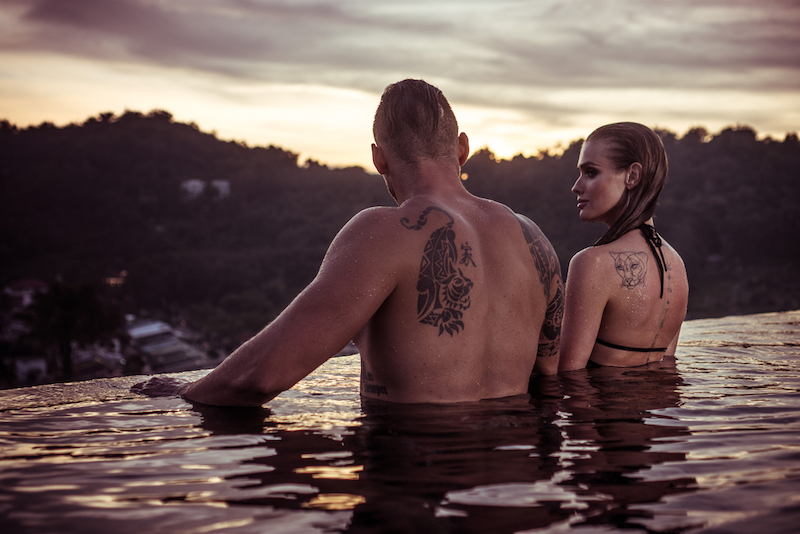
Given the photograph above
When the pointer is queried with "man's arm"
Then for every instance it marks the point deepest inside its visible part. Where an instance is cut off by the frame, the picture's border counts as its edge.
(547, 355)
(356, 276)
(546, 260)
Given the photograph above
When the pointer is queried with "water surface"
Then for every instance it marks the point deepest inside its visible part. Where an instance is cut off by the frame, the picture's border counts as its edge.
(708, 441)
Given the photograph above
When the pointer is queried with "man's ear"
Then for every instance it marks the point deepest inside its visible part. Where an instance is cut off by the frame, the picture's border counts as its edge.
(634, 175)
(379, 159)
(463, 148)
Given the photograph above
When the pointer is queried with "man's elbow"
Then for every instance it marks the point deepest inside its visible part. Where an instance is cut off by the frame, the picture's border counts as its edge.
(546, 365)
(547, 357)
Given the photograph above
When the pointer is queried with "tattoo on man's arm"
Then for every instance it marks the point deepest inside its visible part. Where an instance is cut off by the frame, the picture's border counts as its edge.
(549, 268)
(443, 287)
(543, 254)
(551, 328)
(631, 267)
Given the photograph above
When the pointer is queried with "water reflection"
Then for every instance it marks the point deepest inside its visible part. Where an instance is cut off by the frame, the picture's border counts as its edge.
(577, 451)
(612, 438)
(648, 449)
(420, 461)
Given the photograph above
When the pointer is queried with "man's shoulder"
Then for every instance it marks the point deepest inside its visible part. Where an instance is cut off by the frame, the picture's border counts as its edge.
(381, 215)
(528, 226)
(380, 229)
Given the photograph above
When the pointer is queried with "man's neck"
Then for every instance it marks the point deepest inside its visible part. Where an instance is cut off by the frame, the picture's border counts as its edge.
(427, 178)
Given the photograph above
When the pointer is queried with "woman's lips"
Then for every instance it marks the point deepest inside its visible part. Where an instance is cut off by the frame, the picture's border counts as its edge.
(582, 203)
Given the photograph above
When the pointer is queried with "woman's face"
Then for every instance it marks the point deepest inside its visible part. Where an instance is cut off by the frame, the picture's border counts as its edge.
(600, 186)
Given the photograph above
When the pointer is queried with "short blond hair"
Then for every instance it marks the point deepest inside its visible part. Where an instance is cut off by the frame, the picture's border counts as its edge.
(414, 121)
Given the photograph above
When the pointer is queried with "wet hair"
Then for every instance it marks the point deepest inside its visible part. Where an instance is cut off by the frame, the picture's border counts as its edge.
(415, 121)
(629, 143)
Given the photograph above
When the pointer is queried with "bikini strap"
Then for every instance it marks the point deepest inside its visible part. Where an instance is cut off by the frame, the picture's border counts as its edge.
(630, 349)
(654, 241)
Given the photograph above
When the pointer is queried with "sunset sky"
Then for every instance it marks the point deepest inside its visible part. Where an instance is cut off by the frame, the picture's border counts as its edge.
(306, 75)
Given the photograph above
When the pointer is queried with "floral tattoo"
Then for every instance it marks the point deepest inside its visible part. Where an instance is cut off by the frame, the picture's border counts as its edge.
(443, 287)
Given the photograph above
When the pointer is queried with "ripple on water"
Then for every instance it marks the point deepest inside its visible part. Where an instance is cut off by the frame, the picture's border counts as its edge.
(705, 441)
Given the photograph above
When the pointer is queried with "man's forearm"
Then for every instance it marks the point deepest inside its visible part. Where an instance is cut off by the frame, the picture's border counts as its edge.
(216, 390)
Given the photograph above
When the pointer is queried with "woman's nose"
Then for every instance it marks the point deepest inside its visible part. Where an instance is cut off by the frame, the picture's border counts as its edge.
(576, 188)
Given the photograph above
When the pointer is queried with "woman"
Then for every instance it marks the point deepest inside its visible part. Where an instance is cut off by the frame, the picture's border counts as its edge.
(626, 295)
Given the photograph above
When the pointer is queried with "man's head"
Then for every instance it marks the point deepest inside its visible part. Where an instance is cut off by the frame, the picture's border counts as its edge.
(414, 121)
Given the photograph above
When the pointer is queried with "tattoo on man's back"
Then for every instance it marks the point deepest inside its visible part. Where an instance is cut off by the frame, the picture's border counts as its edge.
(443, 287)
(370, 387)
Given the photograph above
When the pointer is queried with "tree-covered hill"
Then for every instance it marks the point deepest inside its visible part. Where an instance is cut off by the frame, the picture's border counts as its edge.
(729, 208)
(84, 203)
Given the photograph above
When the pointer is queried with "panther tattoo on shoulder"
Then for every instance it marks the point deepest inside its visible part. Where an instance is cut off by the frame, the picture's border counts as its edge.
(631, 267)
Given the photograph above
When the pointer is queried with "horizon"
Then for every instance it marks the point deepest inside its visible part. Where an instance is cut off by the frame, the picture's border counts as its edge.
(521, 77)
(556, 150)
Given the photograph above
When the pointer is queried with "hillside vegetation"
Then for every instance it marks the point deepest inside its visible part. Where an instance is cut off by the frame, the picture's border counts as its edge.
(103, 200)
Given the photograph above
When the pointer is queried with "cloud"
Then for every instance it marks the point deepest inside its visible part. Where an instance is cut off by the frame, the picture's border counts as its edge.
(544, 44)
(550, 43)
(548, 64)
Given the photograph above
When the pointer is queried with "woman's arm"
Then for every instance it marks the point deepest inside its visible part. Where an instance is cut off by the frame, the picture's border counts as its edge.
(673, 345)
(586, 299)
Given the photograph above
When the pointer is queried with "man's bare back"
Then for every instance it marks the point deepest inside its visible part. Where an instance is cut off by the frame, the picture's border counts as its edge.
(464, 319)
(448, 297)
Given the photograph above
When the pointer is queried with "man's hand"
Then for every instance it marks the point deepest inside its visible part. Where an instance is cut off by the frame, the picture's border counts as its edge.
(161, 386)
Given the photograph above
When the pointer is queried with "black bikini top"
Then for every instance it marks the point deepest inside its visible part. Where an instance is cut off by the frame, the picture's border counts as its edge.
(654, 242)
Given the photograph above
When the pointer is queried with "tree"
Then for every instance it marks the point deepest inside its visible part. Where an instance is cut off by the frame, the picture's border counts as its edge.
(68, 314)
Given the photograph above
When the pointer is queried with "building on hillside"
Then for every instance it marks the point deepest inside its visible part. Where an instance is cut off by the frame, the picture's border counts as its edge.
(194, 188)
(223, 188)
(162, 350)
(22, 292)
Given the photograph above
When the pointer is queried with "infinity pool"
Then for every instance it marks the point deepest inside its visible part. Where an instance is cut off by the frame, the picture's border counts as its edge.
(708, 441)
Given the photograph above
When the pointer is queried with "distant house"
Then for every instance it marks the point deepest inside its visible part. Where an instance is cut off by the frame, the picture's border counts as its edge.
(162, 350)
(23, 291)
(30, 370)
(21, 295)
(223, 188)
(98, 361)
(194, 188)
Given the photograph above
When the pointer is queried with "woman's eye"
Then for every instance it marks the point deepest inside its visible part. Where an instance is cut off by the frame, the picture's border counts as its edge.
(591, 173)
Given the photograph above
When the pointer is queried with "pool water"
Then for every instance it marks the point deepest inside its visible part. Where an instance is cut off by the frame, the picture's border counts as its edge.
(708, 441)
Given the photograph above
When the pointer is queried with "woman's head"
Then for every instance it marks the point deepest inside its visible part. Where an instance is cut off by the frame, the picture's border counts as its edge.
(628, 144)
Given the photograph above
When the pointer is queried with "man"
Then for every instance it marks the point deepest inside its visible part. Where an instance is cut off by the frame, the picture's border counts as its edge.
(448, 297)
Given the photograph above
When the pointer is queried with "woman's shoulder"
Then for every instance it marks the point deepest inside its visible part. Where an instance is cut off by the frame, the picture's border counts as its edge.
(590, 257)
(599, 262)
(591, 262)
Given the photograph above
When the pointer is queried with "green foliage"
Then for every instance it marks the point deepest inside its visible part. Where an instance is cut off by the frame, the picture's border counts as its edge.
(729, 208)
(85, 202)
(72, 314)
